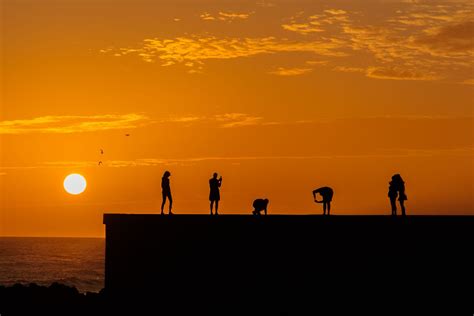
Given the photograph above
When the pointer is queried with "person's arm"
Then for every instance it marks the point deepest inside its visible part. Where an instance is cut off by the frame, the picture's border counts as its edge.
(220, 182)
(314, 195)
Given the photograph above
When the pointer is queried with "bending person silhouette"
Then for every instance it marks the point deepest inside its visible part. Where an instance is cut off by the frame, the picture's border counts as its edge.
(214, 194)
(326, 193)
(260, 205)
(397, 189)
(166, 191)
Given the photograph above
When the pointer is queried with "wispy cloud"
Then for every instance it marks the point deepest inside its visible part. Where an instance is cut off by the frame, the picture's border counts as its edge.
(395, 73)
(237, 119)
(207, 17)
(335, 11)
(453, 38)
(316, 22)
(316, 62)
(234, 15)
(73, 124)
(152, 162)
(194, 50)
(349, 69)
(419, 40)
(265, 4)
(225, 16)
(468, 82)
(224, 120)
(303, 28)
(281, 71)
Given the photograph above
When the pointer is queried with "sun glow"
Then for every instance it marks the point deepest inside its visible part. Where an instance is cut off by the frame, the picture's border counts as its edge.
(75, 184)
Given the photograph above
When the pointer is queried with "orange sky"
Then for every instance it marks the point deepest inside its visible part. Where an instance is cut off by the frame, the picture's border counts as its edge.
(280, 97)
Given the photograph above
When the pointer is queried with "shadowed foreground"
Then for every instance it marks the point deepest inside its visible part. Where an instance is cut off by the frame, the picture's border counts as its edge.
(273, 265)
(288, 264)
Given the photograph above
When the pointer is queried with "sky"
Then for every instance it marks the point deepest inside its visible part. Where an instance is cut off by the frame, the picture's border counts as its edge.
(278, 97)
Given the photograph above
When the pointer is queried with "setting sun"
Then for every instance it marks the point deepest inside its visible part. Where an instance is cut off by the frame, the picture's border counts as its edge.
(75, 184)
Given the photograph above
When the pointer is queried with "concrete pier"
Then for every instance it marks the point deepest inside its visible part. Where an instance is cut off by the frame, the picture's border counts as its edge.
(288, 262)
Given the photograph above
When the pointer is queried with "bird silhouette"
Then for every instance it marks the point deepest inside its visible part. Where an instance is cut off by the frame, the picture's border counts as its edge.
(101, 151)
(127, 134)
(100, 163)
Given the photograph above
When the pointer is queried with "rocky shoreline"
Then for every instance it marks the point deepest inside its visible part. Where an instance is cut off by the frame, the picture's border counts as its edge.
(57, 298)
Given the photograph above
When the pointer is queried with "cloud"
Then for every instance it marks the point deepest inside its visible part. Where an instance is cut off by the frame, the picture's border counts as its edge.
(316, 62)
(468, 82)
(225, 16)
(281, 71)
(335, 11)
(388, 72)
(194, 50)
(302, 28)
(349, 69)
(224, 120)
(314, 23)
(207, 17)
(182, 119)
(395, 73)
(237, 120)
(2, 173)
(152, 162)
(420, 40)
(265, 4)
(73, 124)
(453, 38)
(233, 15)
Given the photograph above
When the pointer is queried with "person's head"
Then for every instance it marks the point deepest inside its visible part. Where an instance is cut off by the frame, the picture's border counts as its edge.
(397, 178)
(214, 175)
(166, 174)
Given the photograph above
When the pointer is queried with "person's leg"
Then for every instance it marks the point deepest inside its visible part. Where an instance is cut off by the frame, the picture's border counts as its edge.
(163, 203)
(393, 203)
(324, 208)
(402, 206)
(170, 198)
(212, 205)
(329, 207)
(265, 211)
(217, 206)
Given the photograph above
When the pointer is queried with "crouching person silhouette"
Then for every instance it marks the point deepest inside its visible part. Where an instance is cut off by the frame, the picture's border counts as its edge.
(260, 205)
(326, 193)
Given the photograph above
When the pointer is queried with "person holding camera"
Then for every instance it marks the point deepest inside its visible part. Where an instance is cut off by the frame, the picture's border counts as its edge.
(214, 195)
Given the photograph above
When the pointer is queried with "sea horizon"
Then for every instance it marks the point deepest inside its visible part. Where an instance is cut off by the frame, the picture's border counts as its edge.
(73, 261)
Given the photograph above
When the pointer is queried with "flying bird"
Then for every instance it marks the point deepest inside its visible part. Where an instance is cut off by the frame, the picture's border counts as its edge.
(101, 151)
(100, 163)
(127, 134)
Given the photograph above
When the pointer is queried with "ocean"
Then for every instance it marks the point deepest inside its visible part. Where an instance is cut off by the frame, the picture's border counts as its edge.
(75, 262)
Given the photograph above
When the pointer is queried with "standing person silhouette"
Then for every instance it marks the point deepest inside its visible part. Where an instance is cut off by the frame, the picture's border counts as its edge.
(326, 193)
(397, 189)
(214, 194)
(166, 191)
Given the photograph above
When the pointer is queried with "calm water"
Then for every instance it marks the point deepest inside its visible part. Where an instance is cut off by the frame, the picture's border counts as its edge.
(76, 262)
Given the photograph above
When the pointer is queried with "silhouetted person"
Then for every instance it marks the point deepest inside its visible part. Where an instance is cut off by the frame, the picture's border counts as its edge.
(260, 205)
(166, 191)
(326, 193)
(214, 194)
(397, 189)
